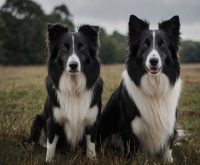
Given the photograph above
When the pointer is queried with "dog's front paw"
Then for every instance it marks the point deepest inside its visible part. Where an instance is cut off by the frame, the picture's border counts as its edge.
(168, 156)
(49, 156)
(91, 154)
(51, 148)
(169, 159)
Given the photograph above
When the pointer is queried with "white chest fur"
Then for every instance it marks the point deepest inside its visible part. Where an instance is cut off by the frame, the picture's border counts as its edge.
(74, 111)
(157, 101)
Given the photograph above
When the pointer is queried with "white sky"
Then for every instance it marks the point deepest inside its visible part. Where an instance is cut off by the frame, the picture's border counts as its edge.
(114, 14)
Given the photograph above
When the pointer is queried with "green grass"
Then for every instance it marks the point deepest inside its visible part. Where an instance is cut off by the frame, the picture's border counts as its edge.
(22, 95)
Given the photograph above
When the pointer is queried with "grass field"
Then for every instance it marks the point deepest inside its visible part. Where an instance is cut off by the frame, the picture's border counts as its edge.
(22, 95)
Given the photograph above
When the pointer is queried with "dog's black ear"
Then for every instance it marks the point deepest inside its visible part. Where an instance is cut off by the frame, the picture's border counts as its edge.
(171, 27)
(55, 31)
(136, 26)
(92, 32)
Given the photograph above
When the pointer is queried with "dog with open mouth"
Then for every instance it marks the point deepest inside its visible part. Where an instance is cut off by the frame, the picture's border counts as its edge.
(141, 113)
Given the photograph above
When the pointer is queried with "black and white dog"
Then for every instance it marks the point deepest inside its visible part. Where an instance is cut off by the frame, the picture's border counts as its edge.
(142, 110)
(74, 89)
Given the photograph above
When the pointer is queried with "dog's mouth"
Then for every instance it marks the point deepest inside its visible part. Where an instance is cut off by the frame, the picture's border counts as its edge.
(153, 70)
(73, 71)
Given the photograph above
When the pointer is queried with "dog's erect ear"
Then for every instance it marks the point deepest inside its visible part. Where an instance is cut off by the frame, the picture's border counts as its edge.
(55, 31)
(171, 27)
(92, 32)
(136, 26)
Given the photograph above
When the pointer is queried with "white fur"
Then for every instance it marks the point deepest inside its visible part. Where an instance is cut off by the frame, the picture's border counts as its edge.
(74, 111)
(73, 58)
(43, 139)
(156, 100)
(181, 133)
(91, 153)
(153, 54)
(167, 155)
(154, 37)
(73, 85)
(51, 148)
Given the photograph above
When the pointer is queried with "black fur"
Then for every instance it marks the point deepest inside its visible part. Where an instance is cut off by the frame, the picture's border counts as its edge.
(121, 109)
(116, 118)
(59, 44)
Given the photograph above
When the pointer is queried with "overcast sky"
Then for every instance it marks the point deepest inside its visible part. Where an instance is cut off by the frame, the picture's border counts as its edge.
(114, 14)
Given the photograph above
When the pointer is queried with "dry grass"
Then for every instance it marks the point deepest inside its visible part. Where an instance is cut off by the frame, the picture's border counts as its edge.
(191, 73)
(22, 95)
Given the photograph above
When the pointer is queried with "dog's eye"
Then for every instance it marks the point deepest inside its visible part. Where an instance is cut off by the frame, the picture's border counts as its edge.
(146, 43)
(161, 43)
(81, 47)
(64, 49)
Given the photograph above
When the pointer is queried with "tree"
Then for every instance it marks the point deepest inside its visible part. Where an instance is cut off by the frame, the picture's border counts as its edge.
(22, 32)
(112, 48)
(61, 14)
(23, 26)
(121, 44)
(190, 52)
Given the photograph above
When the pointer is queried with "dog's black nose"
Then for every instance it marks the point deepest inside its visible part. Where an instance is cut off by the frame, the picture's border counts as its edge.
(73, 66)
(153, 61)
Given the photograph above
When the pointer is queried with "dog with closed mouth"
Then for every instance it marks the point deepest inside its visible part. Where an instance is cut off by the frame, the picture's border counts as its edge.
(141, 113)
(74, 87)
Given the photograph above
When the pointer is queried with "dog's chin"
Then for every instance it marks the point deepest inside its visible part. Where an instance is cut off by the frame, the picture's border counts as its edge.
(153, 70)
(73, 73)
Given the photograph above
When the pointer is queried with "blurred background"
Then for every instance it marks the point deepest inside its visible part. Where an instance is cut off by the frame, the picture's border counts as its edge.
(23, 25)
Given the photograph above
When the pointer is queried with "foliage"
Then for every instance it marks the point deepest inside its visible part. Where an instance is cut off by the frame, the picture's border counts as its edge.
(112, 47)
(23, 25)
(190, 52)
(61, 14)
(23, 28)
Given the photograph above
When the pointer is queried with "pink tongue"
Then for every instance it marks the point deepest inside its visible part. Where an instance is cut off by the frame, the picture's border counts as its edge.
(154, 69)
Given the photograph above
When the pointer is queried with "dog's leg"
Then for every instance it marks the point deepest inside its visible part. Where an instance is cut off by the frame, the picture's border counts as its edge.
(91, 152)
(130, 143)
(167, 155)
(117, 142)
(51, 147)
(37, 125)
(91, 133)
(52, 139)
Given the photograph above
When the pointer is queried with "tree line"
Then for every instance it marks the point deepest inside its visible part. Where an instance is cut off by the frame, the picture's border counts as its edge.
(23, 26)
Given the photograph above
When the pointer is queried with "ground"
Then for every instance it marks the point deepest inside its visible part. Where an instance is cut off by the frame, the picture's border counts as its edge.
(22, 95)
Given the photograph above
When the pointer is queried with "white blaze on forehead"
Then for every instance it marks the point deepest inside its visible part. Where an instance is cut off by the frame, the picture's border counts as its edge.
(154, 36)
(73, 57)
(73, 51)
(153, 53)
